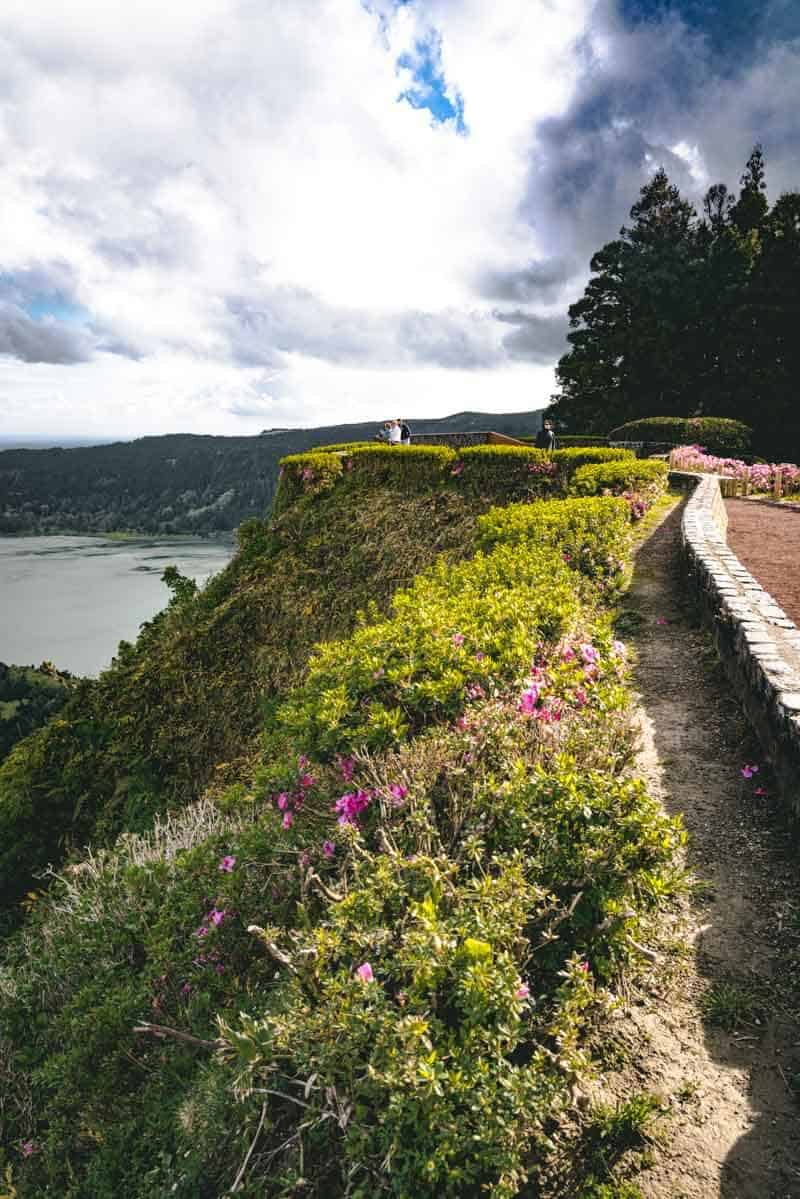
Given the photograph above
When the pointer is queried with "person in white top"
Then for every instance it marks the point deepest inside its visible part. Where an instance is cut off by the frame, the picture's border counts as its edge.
(394, 432)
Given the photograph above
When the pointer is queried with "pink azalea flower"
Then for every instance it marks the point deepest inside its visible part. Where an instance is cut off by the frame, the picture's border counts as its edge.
(217, 917)
(747, 772)
(186, 989)
(283, 801)
(302, 762)
(350, 806)
(458, 639)
(528, 700)
(227, 864)
(307, 473)
(619, 649)
(398, 793)
(457, 469)
(201, 932)
(288, 820)
(304, 859)
(585, 967)
(568, 655)
(220, 969)
(28, 1148)
(306, 780)
(475, 691)
(522, 991)
(328, 848)
(580, 697)
(347, 766)
(364, 972)
(462, 723)
(760, 792)
(479, 656)
(661, 620)
(589, 654)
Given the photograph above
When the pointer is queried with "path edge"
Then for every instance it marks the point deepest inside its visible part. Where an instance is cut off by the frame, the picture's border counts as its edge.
(758, 645)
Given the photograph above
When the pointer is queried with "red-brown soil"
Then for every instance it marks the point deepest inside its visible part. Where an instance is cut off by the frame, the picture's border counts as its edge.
(766, 540)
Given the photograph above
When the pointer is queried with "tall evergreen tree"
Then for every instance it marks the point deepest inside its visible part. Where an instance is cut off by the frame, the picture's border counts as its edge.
(633, 347)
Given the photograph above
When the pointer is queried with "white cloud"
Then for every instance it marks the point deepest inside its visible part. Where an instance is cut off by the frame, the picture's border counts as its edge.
(197, 163)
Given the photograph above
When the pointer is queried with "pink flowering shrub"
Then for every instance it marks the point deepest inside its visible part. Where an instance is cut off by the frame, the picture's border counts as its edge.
(761, 475)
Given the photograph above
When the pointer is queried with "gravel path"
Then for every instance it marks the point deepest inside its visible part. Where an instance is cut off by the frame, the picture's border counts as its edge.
(766, 539)
(732, 1130)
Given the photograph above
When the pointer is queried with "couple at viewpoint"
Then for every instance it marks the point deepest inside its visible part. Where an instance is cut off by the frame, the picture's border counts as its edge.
(396, 432)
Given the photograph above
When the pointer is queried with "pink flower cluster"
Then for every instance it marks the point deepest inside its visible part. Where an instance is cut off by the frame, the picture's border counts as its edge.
(761, 475)
(542, 468)
(213, 919)
(290, 802)
(349, 807)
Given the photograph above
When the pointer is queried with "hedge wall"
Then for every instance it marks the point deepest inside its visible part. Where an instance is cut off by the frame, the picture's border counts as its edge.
(716, 434)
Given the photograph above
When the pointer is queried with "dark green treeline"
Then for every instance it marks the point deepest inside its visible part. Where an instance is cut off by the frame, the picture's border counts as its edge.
(692, 315)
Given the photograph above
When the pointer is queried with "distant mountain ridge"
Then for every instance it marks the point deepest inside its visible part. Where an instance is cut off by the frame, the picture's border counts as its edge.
(178, 482)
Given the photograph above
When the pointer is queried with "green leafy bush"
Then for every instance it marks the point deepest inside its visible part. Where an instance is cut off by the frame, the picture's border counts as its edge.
(504, 470)
(393, 676)
(568, 440)
(570, 459)
(305, 474)
(716, 434)
(643, 477)
(593, 535)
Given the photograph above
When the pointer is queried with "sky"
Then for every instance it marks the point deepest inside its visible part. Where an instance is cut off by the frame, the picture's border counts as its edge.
(221, 216)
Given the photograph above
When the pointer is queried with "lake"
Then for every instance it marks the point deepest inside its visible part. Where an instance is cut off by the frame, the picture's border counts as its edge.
(71, 599)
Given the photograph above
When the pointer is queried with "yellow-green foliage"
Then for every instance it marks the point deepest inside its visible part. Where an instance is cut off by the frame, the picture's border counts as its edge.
(642, 475)
(592, 534)
(392, 677)
(571, 458)
(390, 953)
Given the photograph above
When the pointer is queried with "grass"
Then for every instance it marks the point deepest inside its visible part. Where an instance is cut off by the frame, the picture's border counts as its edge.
(729, 1004)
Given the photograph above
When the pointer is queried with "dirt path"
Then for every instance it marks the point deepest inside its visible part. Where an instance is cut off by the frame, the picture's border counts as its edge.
(732, 1130)
(766, 539)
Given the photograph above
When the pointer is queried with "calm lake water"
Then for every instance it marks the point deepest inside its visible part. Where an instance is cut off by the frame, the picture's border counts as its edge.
(71, 600)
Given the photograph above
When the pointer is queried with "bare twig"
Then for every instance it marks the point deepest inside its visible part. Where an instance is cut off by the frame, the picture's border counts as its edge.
(328, 892)
(161, 1030)
(237, 1181)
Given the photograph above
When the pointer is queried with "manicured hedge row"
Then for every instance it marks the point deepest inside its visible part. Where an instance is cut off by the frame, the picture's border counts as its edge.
(644, 475)
(394, 676)
(593, 535)
(716, 434)
(513, 472)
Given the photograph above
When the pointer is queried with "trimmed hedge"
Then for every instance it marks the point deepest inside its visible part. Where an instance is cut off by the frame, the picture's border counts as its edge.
(640, 475)
(716, 434)
(505, 470)
(394, 676)
(593, 535)
(568, 460)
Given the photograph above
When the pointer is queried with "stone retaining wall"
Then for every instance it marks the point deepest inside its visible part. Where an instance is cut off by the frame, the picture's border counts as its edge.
(757, 643)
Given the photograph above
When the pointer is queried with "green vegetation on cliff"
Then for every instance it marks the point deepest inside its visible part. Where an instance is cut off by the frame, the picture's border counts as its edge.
(28, 698)
(367, 961)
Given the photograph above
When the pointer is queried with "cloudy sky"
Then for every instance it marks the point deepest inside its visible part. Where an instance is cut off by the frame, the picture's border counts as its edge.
(226, 215)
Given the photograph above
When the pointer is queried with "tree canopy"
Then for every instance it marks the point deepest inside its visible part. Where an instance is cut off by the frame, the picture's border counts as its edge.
(691, 315)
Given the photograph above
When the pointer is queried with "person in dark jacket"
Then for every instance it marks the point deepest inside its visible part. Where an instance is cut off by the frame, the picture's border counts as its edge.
(546, 438)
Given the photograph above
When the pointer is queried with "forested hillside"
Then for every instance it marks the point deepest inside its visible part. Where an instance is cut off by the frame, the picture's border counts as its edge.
(688, 315)
(179, 483)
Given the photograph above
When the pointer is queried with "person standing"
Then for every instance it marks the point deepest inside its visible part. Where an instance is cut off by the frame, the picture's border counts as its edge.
(394, 432)
(405, 432)
(546, 438)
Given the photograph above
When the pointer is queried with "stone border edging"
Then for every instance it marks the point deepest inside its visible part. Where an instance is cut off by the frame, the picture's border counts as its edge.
(758, 644)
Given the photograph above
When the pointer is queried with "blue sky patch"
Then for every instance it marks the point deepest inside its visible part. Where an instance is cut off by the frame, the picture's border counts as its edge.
(56, 307)
(430, 88)
(736, 30)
